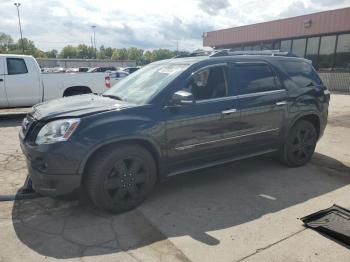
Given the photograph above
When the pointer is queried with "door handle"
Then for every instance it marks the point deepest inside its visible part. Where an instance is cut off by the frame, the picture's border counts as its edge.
(281, 103)
(229, 111)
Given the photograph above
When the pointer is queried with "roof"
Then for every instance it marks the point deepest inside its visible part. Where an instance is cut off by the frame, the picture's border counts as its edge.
(327, 22)
(14, 55)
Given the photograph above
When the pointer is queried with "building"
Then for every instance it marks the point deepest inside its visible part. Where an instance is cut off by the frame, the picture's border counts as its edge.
(69, 63)
(322, 37)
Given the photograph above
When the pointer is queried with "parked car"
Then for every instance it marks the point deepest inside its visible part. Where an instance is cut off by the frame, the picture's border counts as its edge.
(101, 69)
(23, 84)
(130, 69)
(172, 117)
(114, 77)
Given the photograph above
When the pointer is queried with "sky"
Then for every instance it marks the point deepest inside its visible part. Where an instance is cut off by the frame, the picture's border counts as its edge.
(146, 24)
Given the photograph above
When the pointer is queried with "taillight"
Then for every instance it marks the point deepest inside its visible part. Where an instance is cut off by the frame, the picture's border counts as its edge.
(108, 81)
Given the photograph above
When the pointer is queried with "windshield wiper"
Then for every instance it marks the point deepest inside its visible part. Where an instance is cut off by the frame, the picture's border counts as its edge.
(113, 97)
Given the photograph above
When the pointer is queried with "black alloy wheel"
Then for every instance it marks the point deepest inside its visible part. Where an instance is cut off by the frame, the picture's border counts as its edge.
(120, 178)
(300, 144)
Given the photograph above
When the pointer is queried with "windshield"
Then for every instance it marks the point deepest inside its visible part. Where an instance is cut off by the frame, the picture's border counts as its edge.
(141, 86)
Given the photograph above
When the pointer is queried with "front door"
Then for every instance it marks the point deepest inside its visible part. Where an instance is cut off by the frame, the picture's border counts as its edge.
(22, 86)
(199, 133)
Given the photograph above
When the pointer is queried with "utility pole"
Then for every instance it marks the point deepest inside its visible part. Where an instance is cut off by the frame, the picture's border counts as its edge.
(94, 28)
(19, 22)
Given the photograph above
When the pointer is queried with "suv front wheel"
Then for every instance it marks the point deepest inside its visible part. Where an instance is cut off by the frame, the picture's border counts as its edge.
(299, 145)
(120, 178)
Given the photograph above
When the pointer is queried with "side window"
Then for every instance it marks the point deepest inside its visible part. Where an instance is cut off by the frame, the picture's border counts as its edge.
(301, 72)
(254, 78)
(16, 66)
(208, 83)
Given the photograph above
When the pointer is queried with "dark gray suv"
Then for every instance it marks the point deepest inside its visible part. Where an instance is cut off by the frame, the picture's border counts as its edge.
(171, 117)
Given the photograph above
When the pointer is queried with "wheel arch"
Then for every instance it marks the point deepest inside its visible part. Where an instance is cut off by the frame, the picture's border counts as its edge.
(72, 89)
(311, 117)
(148, 145)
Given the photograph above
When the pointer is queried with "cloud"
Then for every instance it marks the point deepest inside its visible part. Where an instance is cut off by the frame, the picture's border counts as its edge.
(145, 24)
(213, 7)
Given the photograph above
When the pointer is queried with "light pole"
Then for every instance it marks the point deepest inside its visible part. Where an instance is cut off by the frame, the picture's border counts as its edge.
(93, 28)
(19, 22)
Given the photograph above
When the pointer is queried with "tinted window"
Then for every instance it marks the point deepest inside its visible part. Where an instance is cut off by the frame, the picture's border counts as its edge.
(343, 52)
(16, 66)
(302, 73)
(326, 57)
(208, 83)
(298, 47)
(312, 49)
(253, 78)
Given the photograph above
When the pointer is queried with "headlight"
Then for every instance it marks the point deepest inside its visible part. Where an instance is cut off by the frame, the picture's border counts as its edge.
(55, 131)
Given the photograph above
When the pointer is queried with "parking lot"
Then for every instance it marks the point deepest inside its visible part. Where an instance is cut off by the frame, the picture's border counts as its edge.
(243, 211)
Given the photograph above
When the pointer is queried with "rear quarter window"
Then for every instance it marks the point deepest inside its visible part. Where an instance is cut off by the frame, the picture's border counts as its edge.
(301, 73)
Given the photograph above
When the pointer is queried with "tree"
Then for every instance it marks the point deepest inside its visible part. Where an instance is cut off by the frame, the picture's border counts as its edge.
(161, 54)
(108, 52)
(135, 54)
(5, 42)
(147, 57)
(52, 54)
(120, 54)
(69, 51)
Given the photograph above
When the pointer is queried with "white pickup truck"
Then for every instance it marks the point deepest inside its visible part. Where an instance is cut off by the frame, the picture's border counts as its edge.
(23, 84)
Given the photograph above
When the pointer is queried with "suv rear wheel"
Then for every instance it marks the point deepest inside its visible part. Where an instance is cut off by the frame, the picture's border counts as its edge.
(121, 178)
(300, 144)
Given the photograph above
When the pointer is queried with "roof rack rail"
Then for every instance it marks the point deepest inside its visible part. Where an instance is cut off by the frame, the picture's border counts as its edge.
(229, 52)
(194, 54)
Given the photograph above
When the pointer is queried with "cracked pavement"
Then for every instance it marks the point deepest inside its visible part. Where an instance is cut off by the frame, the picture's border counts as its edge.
(244, 211)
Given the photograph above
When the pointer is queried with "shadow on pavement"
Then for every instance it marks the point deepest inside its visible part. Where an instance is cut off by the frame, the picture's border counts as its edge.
(11, 120)
(187, 205)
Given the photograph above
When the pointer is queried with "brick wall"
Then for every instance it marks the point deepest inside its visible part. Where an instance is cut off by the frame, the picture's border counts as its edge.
(336, 81)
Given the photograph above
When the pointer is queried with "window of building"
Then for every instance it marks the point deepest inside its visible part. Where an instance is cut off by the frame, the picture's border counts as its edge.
(208, 83)
(267, 46)
(253, 78)
(247, 47)
(312, 50)
(256, 47)
(16, 66)
(236, 48)
(342, 60)
(326, 56)
(301, 72)
(286, 45)
(277, 45)
(298, 47)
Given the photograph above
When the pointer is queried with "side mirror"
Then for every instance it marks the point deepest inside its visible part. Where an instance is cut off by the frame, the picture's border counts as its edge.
(182, 98)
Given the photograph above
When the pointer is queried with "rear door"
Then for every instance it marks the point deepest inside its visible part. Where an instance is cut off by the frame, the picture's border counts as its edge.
(262, 102)
(22, 86)
(3, 97)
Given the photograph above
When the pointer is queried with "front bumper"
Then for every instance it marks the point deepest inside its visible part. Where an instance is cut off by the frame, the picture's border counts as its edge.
(53, 185)
(52, 173)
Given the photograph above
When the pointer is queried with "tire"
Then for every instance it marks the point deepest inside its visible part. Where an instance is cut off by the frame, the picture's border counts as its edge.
(300, 144)
(120, 178)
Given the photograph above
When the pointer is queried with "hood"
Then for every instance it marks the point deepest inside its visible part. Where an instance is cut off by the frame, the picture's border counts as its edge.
(77, 106)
